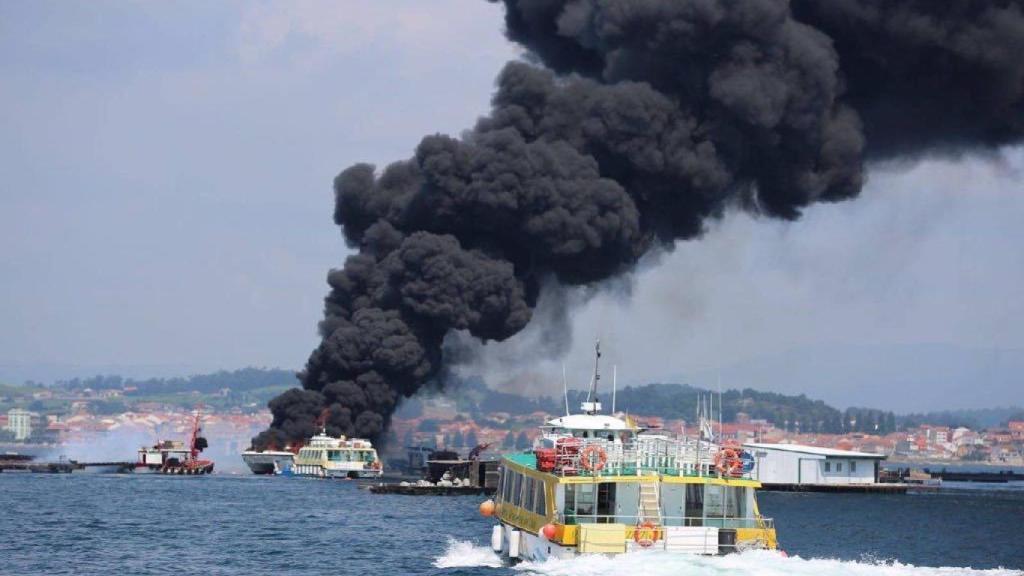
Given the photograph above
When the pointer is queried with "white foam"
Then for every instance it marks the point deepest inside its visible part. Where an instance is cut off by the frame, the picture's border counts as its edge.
(462, 554)
(751, 563)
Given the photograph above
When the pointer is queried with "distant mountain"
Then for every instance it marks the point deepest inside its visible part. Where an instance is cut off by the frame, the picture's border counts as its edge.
(974, 419)
(49, 373)
(903, 378)
(243, 380)
(851, 376)
(676, 401)
(789, 412)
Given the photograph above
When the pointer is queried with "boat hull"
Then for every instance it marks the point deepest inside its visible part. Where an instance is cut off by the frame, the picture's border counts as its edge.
(200, 468)
(678, 540)
(266, 463)
(315, 471)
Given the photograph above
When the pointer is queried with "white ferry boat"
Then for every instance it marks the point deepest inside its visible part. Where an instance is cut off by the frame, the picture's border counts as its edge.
(278, 462)
(597, 483)
(329, 457)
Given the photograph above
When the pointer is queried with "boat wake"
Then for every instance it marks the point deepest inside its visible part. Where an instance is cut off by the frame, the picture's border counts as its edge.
(461, 554)
(759, 563)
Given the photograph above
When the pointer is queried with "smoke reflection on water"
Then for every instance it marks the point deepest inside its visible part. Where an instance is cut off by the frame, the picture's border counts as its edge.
(462, 554)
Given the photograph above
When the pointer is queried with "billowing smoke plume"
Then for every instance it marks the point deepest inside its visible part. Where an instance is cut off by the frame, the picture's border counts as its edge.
(638, 121)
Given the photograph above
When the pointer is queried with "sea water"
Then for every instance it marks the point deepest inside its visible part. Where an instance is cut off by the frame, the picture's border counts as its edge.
(233, 525)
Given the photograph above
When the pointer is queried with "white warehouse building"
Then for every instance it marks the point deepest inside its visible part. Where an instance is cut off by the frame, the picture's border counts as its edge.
(798, 464)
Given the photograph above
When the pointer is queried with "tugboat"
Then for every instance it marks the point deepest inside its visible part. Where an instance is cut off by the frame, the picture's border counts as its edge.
(597, 483)
(172, 457)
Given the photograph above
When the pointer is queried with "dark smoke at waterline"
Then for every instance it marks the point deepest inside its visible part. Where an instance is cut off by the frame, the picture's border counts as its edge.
(640, 120)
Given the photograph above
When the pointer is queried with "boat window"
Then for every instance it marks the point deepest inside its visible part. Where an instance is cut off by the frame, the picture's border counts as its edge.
(500, 490)
(734, 502)
(528, 493)
(606, 502)
(539, 503)
(714, 501)
(509, 480)
(570, 504)
(722, 503)
(584, 502)
(334, 455)
(517, 490)
(694, 505)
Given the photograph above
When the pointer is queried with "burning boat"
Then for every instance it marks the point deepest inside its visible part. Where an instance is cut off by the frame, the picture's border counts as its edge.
(173, 457)
(597, 483)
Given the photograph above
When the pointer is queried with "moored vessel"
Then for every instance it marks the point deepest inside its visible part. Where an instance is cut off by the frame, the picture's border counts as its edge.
(329, 457)
(173, 457)
(597, 483)
(279, 462)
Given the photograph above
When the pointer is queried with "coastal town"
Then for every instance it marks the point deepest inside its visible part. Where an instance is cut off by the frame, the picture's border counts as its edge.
(443, 426)
(81, 419)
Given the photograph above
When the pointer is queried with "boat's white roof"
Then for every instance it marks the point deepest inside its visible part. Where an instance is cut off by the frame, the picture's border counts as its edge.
(343, 443)
(815, 450)
(589, 422)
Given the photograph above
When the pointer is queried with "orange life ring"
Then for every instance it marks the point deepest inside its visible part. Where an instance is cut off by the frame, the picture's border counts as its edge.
(593, 458)
(646, 534)
(728, 462)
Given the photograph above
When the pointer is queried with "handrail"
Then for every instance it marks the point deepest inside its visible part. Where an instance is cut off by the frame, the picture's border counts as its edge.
(755, 522)
(760, 536)
(667, 456)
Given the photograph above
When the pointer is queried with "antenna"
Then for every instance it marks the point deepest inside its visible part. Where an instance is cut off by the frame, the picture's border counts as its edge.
(597, 373)
(721, 435)
(615, 379)
(593, 404)
(565, 390)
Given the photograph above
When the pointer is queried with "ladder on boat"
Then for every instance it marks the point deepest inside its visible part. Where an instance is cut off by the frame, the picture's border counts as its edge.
(649, 509)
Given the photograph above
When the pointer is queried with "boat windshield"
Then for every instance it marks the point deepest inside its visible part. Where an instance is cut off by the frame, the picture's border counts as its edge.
(350, 456)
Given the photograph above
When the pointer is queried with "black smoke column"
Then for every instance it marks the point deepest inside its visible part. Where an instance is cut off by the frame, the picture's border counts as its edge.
(648, 118)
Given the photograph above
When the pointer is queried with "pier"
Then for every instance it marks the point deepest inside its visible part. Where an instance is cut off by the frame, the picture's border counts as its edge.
(847, 488)
(419, 490)
(993, 477)
(1001, 477)
(61, 466)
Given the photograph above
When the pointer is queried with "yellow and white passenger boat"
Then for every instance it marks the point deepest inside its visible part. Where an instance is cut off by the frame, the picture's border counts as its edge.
(328, 457)
(596, 483)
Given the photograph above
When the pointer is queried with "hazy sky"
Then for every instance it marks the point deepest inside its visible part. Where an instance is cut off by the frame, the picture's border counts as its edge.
(166, 207)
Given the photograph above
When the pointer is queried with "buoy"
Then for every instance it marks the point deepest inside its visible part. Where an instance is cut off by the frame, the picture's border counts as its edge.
(549, 531)
(783, 553)
(487, 508)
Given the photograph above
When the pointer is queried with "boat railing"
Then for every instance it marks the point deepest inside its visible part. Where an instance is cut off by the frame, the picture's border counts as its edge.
(694, 534)
(573, 456)
(751, 522)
